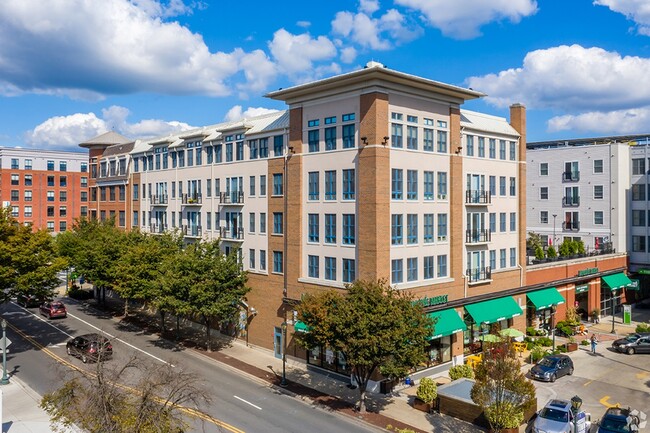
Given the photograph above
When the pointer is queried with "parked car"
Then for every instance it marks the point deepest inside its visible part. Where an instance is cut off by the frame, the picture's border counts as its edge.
(631, 344)
(555, 417)
(551, 367)
(90, 347)
(28, 301)
(53, 309)
(618, 420)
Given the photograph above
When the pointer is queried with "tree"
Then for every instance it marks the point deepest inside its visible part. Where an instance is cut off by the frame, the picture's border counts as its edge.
(501, 389)
(534, 241)
(134, 397)
(373, 326)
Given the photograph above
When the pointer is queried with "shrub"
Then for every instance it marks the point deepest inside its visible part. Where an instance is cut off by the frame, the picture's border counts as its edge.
(539, 253)
(565, 248)
(537, 353)
(427, 390)
(459, 371)
(572, 317)
(531, 331)
(643, 327)
(551, 253)
(544, 341)
(504, 416)
(581, 247)
(584, 343)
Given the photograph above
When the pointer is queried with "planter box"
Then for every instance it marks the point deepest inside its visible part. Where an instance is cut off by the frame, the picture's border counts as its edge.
(571, 347)
(421, 405)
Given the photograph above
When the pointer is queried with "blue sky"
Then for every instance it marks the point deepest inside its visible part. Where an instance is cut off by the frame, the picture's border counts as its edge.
(73, 69)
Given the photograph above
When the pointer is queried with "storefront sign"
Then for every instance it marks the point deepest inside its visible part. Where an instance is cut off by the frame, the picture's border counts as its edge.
(627, 314)
(588, 271)
(582, 288)
(644, 271)
(430, 302)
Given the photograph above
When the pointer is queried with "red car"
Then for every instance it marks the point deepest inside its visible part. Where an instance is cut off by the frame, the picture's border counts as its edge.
(53, 310)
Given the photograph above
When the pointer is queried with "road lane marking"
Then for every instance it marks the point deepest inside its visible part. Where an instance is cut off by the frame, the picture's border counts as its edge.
(605, 402)
(247, 402)
(642, 375)
(188, 410)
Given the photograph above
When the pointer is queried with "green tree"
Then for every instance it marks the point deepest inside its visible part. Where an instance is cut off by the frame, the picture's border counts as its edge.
(501, 389)
(534, 241)
(132, 397)
(8, 229)
(551, 253)
(374, 326)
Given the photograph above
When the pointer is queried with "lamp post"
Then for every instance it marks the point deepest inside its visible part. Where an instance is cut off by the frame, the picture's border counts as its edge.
(554, 216)
(5, 379)
(576, 402)
(553, 309)
(283, 382)
(613, 310)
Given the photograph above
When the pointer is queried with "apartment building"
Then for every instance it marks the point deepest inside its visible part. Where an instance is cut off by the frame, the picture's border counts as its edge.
(44, 188)
(369, 174)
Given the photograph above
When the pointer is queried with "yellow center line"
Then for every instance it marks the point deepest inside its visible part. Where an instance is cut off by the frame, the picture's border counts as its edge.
(187, 410)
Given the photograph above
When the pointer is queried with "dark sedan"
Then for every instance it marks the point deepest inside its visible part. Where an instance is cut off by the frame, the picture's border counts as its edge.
(631, 345)
(90, 347)
(551, 367)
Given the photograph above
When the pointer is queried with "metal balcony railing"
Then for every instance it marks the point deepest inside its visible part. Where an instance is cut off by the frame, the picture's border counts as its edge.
(236, 197)
(233, 234)
(570, 201)
(478, 197)
(571, 226)
(192, 199)
(479, 274)
(477, 236)
(158, 228)
(570, 176)
(192, 231)
(159, 199)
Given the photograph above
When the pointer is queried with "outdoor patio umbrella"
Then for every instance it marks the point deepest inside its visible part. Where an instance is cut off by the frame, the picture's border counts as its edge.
(511, 332)
(490, 338)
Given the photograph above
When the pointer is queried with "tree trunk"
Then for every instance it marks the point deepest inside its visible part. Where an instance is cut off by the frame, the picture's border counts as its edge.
(126, 307)
(207, 333)
(162, 322)
(362, 399)
(178, 328)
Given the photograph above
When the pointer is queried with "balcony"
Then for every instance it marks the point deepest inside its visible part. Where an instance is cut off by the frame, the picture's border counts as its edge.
(570, 201)
(232, 234)
(478, 197)
(235, 198)
(192, 199)
(571, 226)
(479, 275)
(158, 228)
(160, 199)
(478, 236)
(570, 176)
(192, 231)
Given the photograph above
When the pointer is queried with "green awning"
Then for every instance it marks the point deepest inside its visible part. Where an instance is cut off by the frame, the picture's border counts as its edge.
(616, 281)
(300, 326)
(494, 310)
(545, 298)
(448, 322)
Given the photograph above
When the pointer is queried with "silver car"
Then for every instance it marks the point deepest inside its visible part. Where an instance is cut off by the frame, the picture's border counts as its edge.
(555, 417)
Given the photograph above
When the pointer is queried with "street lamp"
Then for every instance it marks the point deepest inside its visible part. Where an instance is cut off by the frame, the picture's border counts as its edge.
(576, 402)
(613, 310)
(283, 382)
(5, 379)
(553, 310)
(554, 216)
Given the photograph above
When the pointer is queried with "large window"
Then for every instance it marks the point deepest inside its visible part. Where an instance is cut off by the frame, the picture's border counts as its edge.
(397, 271)
(397, 184)
(428, 267)
(278, 188)
(442, 141)
(313, 227)
(638, 217)
(411, 269)
(396, 135)
(442, 185)
(348, 136)
(314, 193)
(412, 228)
(278, 265)
(330, 228)
(428, 228)
(349, 188)
(349, 229)
(264, 147)
(638, 166)
(396, 229)
(313, 268)
(330, 268)
(330, 138)
(428, 185)
(442, 227)
(442, 266)
(313, 138)
(638, 192)
(278, 223)
(411, 185)
(330, 185)
(412, 137)
(349, 270)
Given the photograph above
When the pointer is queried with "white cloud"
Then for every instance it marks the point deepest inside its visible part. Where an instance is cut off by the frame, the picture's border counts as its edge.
(374, 33)
(348, 54)
(368, 7)
(632, 121)
(571, 78)
(636, 10)
(66, 132)
(237, 113)
(87, 49)
(462, 19)
(295, 54)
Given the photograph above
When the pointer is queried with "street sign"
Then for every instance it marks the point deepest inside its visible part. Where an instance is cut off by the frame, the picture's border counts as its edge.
(2, 343)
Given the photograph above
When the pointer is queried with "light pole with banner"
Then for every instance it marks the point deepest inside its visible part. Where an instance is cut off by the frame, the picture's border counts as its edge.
(5, 378)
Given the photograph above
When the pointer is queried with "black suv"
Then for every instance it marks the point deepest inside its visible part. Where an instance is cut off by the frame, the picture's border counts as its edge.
(90, 347)
(637, 342)
(29, 301)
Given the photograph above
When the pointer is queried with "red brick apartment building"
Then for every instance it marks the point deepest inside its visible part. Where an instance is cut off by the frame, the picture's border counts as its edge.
(45, 188)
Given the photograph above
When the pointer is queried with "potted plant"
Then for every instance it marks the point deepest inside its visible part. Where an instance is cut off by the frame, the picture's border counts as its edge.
(551, 253)
(539, 254)
(504, 418)
(572, 344)
(565, 249)
(427, 392)
(581, 248)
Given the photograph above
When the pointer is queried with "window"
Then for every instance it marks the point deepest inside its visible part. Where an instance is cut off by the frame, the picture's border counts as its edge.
(428, 185)
(493, 148)
(428, 267)
(15, 195)
(502, 149)
(513, 187)
(50, 196)
(312, 265)
(229, 153)
(493, 259)
(638, 218)
(28, 195)
(63, 226)
(502, 185)
(251, 222)
(493, 185)
(543, 169)
(513, 257)
(543, 217)
(481, 147)
(330, 268)
(278, 266)
(347, 132)
(28, 180)
(330, 138)
(14, 163)
(493, 222)
(638, 166)
(262, 260)
(349, 229)
(396, 229)
(50, 211)
(50, 180)
(411, 269)
(314, 193)
(396, 116)
(330, 185)
(442, 185)
(349, 188)
(598, 166)
(513, 151)
(313, 140)
(598, 217)
(396, 135)
(28, 165)
(262, 185)
(442, 227)
(251, 185)
(502, 222)
(396, 184)
(50, 165)
(313, 123)
(278, 145)
(442, 141)
(252, 149)
(330, 228)
(411, 185)
(396, 273)
(428, 228)
(598, 192)
(240, 152)
(442, 265)
(412, 229)
(15, 179)
(427, 141)
(63, 211)
(330, 120)
(50, 226)
(84, 166)
(277, 223)
(218, 153)
(638, 244)
(314, 229)
(277, 184)
(513, 221)
(63, 166)
(543, 193)
(412, 137)
(638, 192)
(251, 258)
(469, 144)
(502, 257)
(349, 270)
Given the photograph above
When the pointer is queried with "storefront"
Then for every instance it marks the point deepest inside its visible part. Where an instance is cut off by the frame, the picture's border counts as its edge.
(541, 307)
(611, 299)
(482, 315)
(447, 323)
(582, 301)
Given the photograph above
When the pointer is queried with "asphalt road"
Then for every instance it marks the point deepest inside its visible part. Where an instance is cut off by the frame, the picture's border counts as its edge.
(37, 355)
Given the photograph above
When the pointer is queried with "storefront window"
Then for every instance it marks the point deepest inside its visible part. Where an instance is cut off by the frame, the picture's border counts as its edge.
(329, 360)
